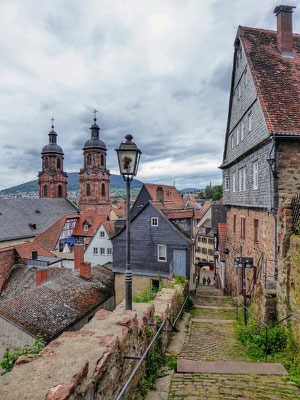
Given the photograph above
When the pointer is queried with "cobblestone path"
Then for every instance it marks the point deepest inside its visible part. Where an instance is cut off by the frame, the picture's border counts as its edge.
(211, 338)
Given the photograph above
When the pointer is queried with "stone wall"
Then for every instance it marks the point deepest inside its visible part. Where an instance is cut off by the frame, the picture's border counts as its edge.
(90, 363)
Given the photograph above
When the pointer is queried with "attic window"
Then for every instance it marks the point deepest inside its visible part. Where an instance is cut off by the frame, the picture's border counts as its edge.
(85, 227)
(32, 226)
(154, 221)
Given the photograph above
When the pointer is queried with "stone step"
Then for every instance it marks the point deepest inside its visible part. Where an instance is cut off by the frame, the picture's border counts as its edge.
(230, 367)
(216, 307)
(213, 321)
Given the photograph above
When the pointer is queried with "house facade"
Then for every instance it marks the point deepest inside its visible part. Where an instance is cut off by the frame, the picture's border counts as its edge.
(100, 249)
(261, 156)
(161, 246)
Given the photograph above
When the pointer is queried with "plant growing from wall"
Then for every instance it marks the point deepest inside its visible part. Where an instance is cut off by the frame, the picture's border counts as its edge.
(11, 355)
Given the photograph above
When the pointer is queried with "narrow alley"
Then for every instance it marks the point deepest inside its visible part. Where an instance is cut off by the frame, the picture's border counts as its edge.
(212, 364)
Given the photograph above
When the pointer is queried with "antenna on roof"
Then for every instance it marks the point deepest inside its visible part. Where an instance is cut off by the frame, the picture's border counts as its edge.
(52, 123)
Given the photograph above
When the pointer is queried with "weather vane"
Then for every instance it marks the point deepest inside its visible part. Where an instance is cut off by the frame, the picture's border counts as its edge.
(95, 112)
(52, 125)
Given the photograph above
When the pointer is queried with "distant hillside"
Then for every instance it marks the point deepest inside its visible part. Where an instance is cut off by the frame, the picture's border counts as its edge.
(189, 190)
(116, 181)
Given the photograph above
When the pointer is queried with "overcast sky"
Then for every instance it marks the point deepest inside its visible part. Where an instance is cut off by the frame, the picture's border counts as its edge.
(159, 70)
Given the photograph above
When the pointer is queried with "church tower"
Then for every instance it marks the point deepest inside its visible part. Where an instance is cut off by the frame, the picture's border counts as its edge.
(94, 177)
(52, 179)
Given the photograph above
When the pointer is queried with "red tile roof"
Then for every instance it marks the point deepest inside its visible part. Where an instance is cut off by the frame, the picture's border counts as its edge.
(109, 226)
(25, 250)
(170, 194)
(276, 78)
(179, 213)
(222, 234)
(203, 210)
(93, 222)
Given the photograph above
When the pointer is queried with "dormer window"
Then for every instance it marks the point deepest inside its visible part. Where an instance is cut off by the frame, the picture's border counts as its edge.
(85, 227)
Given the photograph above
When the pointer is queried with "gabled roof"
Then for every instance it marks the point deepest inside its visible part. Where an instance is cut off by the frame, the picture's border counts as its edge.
(170, 194)
(93, 222)
(179, 213)
(49, 238)
(53, 306)
(203, 210)
(21, 218)
(25, 250)
(276, 78)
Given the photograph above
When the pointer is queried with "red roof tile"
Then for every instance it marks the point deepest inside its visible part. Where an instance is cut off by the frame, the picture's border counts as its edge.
(183, 213)
(25, 250)
(277, 78)
(109, 226)
(170, 194)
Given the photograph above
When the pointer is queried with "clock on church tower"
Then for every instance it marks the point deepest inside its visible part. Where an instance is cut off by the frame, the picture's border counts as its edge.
(94, 178)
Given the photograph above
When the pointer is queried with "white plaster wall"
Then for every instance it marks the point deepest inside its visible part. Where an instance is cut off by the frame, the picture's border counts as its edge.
(99, 242)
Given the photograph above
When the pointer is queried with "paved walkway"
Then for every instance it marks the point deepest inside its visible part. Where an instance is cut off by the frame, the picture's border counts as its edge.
(212, 363)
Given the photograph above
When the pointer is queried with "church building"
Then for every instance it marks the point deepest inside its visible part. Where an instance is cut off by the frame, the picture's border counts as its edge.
(94, 178)
(52, 180)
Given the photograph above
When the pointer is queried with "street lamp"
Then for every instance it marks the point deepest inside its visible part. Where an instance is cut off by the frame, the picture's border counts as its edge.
(128, 157)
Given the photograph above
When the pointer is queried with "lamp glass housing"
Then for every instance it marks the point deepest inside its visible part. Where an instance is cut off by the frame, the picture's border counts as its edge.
(128, 157)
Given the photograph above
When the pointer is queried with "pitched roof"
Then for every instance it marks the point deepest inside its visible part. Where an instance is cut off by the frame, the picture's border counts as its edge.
(170, 194)
(93, 222)
(49, 238)
(109, 226)
(51, 307)
(222, 234)
(274, 74)
(20, 218)
(179, 213)
(203, 210)
(25, 250)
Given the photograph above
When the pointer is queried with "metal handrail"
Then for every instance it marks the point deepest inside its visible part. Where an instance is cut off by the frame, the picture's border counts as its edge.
(125, 387)
(267, 327)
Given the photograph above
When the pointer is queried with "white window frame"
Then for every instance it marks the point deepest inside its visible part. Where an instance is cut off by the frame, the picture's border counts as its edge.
(255, 174)
(102, 251)
(233, 182)
(242, 131)
(250, 121)
(226, 183)
(102, 234)
(154, 221)
(240, 179)
(232, 140)
(85, 227)
(109, 251)
(95, 251)
(244, 178)
(237, 135)
(162, 258)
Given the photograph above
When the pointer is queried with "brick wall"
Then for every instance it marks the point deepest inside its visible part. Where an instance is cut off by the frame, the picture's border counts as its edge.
(7, 260)
(239, 247)
(90, 363)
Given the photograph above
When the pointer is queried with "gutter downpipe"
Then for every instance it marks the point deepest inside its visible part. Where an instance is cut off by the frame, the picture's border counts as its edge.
(272, 206)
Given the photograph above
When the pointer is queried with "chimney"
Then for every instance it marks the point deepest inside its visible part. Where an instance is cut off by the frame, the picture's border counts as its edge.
(85, 270)
(160, 194)
(284, 29)
(34, 254)
(78, 256)
(41, 275)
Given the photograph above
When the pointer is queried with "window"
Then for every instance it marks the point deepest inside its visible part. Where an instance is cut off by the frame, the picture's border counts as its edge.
(45, 191)
(103, 190)
(242, 130)
(256, 230)
(102, 251)
(237, 135)
(255, 175)
(162, 252)
(233, 182)
(102, 234)
(211, 241)
(58, 163)
(204, 240)
(226, 183)
(109, 251)
(102, 159)
(210, 252)
(204, 250)
(243, 227)
(88, 189)
(89, 159)
(46, 162)
(154, 221)
(95, 251)
(242, 179)
(232, 141)
(85, 227)
(234, 223)
(59, 191)
(250, 121)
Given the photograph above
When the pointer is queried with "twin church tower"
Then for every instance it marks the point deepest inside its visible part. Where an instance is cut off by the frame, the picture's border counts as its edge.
(93, 177)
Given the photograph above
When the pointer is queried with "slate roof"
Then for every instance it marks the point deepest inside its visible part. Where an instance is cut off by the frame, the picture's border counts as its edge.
(93, 221)
(276, 78)
(170, 194)
(218, 216)
(49, 238)
(21, 218)
(53, 306)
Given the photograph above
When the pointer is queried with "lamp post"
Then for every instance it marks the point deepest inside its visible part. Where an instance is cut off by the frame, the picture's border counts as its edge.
(128, 157)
